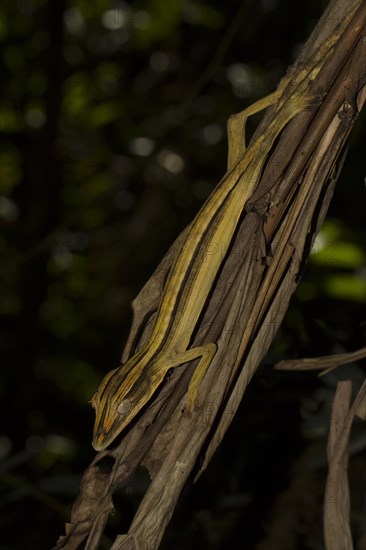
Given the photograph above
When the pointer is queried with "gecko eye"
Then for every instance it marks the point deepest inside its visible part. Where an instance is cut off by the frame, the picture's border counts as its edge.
(125, 407)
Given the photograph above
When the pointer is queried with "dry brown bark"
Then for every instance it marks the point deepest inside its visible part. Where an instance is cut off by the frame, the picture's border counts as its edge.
(258, 277)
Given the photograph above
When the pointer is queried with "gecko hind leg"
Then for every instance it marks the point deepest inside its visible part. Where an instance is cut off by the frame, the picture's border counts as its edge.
(236, 126)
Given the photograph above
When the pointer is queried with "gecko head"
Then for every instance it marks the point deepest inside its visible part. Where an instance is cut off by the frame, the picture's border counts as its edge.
(113, 411)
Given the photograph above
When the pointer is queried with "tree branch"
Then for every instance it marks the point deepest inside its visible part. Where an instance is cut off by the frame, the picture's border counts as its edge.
(259, 274)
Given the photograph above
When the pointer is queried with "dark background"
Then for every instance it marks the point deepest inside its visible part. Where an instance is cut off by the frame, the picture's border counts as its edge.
(113, 119)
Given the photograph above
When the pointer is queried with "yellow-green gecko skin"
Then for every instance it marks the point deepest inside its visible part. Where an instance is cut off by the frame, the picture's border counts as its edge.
(125, 390)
